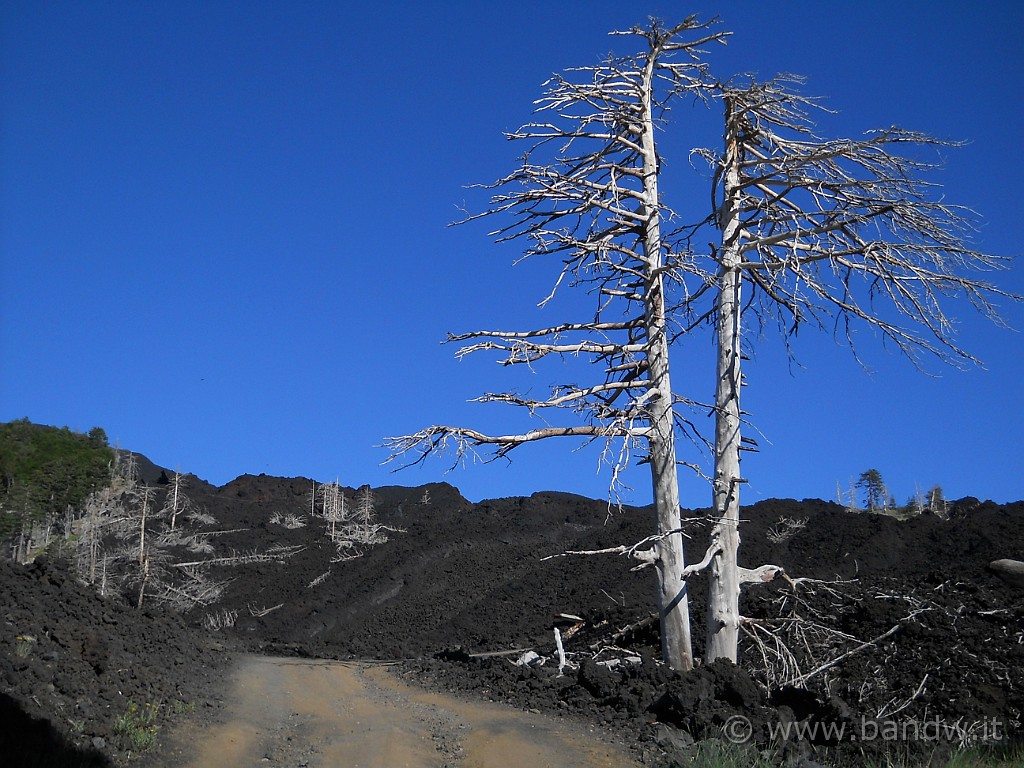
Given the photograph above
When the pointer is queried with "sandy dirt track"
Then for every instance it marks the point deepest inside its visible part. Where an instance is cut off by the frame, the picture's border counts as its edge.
(297, 712)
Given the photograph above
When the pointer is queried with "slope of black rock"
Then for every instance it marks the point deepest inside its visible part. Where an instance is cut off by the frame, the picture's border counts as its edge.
(71, 663)
(467, 579)
(461, 579)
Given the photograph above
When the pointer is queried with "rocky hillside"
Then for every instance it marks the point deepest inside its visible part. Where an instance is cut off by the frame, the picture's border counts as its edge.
(423, 575)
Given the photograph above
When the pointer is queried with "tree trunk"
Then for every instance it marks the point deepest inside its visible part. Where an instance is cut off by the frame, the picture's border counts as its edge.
(673, 600)
(142, 529)
(723, 579)
(142, 586)
(174, 502)
(24, 540)
(143, 560)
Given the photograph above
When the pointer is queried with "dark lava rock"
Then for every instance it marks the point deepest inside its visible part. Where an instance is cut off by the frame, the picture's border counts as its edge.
(935, 629)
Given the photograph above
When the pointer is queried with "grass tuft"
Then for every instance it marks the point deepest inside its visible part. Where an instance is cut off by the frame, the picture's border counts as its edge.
(137, 726)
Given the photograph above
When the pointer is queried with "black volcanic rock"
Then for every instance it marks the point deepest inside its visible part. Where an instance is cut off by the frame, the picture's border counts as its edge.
(463, 579)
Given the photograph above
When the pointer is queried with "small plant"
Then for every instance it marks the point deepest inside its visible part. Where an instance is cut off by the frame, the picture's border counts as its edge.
(220, 620)
(714, 753)
(784, 529)
(291, 522)
(137, 726)
(990, 756)
(23, 645)
(183, 707)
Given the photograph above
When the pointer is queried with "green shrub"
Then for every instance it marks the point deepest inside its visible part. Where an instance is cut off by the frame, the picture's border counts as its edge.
(23, 645)
(137, 727)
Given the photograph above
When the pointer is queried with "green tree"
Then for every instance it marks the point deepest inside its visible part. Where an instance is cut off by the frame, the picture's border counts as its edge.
(44, 470)
(871, 483)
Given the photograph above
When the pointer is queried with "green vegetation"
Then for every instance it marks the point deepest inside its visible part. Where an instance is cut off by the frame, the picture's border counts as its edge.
(990, 756)
(44, 470)
(137, 726)
(179, 707)
(714, 753)
(1000, 756)
(23, 645)
(723, 754)
(136, 729)
(871, 483)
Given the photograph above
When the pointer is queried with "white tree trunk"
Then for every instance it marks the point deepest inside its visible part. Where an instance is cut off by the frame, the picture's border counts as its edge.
(723, 577)
(673, 600)
(174, 499)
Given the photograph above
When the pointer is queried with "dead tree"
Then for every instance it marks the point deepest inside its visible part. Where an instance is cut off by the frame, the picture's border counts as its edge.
(335, 509)
(106, 518)
(124, 538)
(365, 512)
(176, 502)
(820, 231)
(360, 528)
(116, 532)
(588, 194)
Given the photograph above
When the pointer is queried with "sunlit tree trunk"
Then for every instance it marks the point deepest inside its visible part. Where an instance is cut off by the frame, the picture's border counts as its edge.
(673, 600)
(723, 615)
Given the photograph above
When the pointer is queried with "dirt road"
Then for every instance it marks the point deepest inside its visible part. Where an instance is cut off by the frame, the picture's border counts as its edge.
(302, 713)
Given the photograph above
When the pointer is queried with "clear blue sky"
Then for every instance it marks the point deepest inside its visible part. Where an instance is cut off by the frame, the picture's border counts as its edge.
(223, 232)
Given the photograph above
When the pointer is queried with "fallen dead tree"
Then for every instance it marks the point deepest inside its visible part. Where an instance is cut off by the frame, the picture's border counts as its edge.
(276, 553)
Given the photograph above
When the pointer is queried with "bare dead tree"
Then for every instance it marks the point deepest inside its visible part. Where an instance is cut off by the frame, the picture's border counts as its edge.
(822, 231)
(366, 507)
(117, 536)
(124, 538)
(334, 507)
(176, 501)
(588, 194)
(88, 546)
(106, 517)
(351, 526)
(359, 529)
(147, 549)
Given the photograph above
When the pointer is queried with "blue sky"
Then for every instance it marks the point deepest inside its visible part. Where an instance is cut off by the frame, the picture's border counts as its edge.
(223, 233)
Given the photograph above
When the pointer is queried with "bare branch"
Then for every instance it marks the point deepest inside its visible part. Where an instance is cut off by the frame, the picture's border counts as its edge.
(847, 228)
(641, 550)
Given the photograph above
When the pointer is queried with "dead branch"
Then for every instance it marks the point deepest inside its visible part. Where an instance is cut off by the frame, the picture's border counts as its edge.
(885, 712)
(646, 556)
(832, 228)
(763, 574)
(839, 659)
(491, 654)
(277, 553)
(560, 650)
(625, 632)
(259, 613)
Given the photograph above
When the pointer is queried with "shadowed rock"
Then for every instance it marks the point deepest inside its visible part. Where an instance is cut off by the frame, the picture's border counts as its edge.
(1010, 571)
